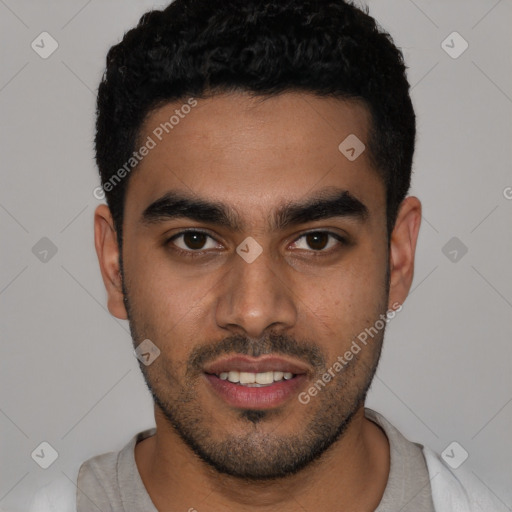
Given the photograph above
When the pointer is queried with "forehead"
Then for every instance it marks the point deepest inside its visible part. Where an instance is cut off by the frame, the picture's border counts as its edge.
(254, 154)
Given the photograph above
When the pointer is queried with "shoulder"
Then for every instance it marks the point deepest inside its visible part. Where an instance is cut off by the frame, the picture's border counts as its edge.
(97, 482)
(458, 490)
(98, 468)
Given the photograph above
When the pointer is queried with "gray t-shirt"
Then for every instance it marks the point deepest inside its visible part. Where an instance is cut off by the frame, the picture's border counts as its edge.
(111, 482)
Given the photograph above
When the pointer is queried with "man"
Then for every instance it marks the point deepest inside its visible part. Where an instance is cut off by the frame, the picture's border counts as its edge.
(256, 158)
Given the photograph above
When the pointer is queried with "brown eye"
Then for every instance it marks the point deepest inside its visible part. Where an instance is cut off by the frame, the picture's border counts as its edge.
(318, 240)
(194, 241)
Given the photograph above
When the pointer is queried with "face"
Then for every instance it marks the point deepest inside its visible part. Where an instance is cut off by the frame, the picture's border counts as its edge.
(254, 254)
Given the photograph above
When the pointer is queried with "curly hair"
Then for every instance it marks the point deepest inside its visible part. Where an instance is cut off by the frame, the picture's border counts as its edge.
(200, 48)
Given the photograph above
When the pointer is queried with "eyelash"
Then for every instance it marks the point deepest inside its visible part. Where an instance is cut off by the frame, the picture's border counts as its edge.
(195, 254)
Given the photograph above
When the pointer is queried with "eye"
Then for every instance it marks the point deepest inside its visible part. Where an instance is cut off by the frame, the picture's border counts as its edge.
(319, 241)
(192, 241)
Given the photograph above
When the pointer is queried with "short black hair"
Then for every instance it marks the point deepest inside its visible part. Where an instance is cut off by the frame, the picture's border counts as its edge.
(199, 48)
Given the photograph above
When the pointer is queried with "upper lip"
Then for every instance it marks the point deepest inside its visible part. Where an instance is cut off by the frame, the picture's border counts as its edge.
(255, 365)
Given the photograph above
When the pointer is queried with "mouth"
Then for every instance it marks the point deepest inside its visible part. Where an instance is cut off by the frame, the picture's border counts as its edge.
(262, 383)
(255, 380)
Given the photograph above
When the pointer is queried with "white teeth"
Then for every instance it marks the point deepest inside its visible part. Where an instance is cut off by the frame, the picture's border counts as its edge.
(234, 376)
(265, 378)
(255, 379)
(247, 378)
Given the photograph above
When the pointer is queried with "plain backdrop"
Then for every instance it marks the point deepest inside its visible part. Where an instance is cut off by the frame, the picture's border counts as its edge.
(68, 374)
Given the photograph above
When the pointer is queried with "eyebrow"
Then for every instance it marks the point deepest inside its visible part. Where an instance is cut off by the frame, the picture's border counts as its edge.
(326, 204)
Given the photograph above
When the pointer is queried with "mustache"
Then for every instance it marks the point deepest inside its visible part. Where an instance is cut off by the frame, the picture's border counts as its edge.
(272, 343)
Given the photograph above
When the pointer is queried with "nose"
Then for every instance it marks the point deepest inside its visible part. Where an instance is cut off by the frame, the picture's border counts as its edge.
(254, 297)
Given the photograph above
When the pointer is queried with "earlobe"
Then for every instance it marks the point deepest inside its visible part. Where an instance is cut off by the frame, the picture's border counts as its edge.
(403, 248)
(107, 250)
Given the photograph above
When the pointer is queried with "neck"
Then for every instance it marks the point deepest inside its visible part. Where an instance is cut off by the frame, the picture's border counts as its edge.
(351, 474)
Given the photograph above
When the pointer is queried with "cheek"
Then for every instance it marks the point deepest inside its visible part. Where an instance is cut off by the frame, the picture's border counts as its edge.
(165, 303)
(349, 298)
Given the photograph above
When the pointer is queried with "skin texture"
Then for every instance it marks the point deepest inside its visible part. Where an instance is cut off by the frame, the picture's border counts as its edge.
(307, 304)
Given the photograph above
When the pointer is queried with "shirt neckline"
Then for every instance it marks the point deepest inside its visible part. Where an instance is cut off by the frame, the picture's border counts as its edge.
(137, 493)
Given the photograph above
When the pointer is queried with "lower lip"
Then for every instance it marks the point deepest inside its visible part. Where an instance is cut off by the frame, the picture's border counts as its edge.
(266, 397)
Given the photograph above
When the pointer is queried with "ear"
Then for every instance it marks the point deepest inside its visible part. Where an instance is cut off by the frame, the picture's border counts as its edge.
(402, 250)
(107, 249)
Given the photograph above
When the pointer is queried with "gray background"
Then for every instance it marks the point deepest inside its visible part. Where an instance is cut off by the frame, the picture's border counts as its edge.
(68, 375)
